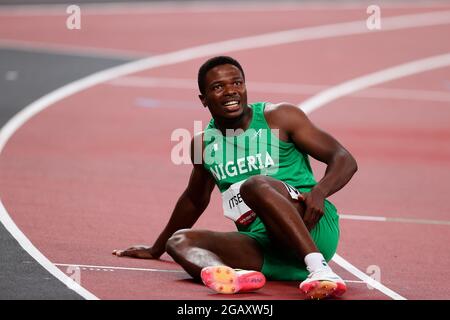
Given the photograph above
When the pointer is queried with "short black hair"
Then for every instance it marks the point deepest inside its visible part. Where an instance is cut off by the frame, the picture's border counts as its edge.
(211, 63)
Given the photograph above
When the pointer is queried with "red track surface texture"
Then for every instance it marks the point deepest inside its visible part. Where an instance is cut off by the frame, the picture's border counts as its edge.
(93, 173)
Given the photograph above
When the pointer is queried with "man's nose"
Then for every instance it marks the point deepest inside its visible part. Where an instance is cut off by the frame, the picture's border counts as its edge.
(230, 89)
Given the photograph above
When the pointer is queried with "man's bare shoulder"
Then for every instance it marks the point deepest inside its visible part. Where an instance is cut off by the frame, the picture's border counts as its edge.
(283, 113)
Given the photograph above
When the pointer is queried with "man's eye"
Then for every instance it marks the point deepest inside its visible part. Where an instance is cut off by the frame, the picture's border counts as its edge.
(238, 83)
(217, 87)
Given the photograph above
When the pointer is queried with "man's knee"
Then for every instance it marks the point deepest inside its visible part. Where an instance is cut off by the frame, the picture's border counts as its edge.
(250, 189)
(177, 241)
(180, 240)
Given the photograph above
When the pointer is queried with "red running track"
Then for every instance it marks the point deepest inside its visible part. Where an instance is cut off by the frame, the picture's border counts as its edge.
(93, 173)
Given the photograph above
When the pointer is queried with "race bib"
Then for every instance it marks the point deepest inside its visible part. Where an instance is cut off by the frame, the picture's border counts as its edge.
(234, 206)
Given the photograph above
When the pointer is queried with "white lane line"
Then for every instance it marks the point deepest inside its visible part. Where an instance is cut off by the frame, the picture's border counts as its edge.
(364, 277)
(260, 41)
(362, 218)
(421, 221)
(112, 268)
(285, 88)
(98, 268)
(354, 281)
(393, 219)
(25, 243)
(373, 79)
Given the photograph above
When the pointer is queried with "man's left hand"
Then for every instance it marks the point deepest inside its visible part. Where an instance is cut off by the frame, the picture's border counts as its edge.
(314, 202)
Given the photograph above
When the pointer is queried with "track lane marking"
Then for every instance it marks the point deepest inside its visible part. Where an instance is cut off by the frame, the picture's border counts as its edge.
(375, 78)
(25, 243)
(393, 219)
(118, 268)
(365, 278)
(113, 268)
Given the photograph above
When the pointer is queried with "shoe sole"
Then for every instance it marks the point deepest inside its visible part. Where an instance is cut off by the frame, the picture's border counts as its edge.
(226, 280)
(323, 289)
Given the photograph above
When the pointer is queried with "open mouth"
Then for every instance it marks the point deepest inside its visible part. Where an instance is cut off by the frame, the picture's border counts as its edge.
(232, 105)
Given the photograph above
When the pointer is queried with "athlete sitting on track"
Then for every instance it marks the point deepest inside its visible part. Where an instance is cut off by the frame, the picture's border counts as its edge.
(287, 230)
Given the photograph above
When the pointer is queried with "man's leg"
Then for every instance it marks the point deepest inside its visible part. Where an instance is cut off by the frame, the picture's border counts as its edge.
(282, 217)
(214, 256)
(196, 249)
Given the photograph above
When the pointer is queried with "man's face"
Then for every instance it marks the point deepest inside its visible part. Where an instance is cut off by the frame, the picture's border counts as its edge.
(225, 92)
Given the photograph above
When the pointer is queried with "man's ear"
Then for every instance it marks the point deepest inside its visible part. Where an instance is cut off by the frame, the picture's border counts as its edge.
(203, 100)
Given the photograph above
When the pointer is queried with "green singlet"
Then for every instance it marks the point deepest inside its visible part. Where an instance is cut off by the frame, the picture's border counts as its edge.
(231, 159)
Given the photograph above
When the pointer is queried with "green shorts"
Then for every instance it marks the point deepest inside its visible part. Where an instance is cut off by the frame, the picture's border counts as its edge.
(285, 265)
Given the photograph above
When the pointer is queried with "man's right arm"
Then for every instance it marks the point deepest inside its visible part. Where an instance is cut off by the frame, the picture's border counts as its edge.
(189, 207)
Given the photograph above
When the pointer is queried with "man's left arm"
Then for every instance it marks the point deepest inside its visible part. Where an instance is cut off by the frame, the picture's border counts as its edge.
(341, 165)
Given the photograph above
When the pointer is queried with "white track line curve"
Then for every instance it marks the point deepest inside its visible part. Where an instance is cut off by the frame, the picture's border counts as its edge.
(25, 243)
(118, 268)
(112, 268)
(260, 41)
(364, 277)
(372, 79)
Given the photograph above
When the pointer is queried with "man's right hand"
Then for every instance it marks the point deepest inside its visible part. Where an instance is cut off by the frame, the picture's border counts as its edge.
(138, 251)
